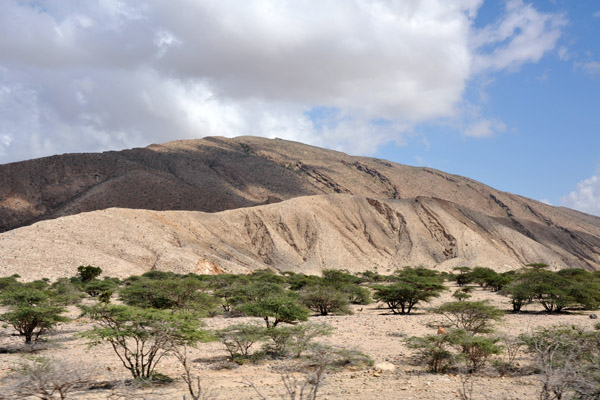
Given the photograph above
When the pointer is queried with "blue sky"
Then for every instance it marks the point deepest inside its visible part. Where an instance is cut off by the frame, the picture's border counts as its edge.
(551, 110)
(504, 92)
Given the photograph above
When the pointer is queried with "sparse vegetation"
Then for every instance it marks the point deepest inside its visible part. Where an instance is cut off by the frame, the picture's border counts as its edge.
(141, 337)
(568, 359)
(161, 318)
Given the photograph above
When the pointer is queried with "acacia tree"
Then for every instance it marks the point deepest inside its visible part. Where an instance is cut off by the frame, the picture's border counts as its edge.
(412, 287)
(184, 293)
(87, 273)
(474, 317)
(555, 291)
(142, 337)
(276, 309)
(325, 300)
(33, 309)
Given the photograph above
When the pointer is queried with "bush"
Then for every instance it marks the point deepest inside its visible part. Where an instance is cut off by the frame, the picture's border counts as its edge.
(168, 293)
(463, 293)
(95, 287)
(87, 272)
(7, 282)
(411, 287)
(568, 358)
(476, 349)
(240, 293)
(464, 277)
(294, 339)
(320, 360)
(433, 350)
(67, 293)
(474, 317)
(520, 295)
(267, 276)
(238, 339)
(357, 294)
(299, 281)
(325, 300)
(45, 379)
(276, 309)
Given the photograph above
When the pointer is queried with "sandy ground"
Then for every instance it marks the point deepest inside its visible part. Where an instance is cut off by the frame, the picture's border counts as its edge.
(372, 331)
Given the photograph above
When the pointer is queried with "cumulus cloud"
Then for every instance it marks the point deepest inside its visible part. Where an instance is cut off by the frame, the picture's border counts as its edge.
(586, 197)
(103, 74)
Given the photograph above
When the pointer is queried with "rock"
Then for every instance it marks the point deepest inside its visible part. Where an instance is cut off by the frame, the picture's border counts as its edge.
(385, 366)
(593, 316)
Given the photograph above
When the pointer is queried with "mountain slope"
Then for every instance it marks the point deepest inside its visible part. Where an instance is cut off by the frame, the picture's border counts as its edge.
(304, 234)
(216, 174)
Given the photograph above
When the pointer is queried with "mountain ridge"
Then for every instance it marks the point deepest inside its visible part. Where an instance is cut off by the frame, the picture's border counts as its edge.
(215, 174)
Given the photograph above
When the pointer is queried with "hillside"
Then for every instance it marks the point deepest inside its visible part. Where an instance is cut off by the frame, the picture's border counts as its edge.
(216, 174)
(304, 234)
(361, 213)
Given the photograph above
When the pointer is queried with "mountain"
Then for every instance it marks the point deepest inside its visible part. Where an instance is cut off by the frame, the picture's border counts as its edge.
(333, 210)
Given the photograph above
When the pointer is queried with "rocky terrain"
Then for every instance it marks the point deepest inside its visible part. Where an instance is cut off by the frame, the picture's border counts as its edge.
(304, 234)
(330, 210)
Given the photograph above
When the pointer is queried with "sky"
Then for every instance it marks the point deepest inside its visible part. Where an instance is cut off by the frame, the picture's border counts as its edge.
(504, 92)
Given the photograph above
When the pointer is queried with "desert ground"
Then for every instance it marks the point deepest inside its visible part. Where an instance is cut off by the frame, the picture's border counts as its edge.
(370, 329)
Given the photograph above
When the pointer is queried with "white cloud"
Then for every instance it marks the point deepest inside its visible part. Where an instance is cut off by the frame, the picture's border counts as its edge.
(523, 35)
(586, 197)
(103, 74)
(589, 67)
(546, 201)
(563, 53)
(485, 128)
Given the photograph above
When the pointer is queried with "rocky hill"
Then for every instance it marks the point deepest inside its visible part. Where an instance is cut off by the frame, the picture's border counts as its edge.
(361, 213)
(304, 234)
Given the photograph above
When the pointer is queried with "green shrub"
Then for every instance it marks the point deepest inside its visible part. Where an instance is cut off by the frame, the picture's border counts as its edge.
(96, 287)
(433, 350)
(412, 286)
(181, 293)
(474, 317)
(238, 339)
(268, 276)
(325, 300)
(475, 349)
(66, 292)
(238, 294)
(87, 272)
(276, 309)
(462, 294)
(295, 339)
